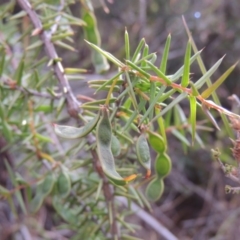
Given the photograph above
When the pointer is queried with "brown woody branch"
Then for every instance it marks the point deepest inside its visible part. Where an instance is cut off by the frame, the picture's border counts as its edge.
(72, 103)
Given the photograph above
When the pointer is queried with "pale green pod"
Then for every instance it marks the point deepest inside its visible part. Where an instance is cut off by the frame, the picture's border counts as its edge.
(104, 138)
(157, 142)
(143, 153)
(63, 184)
(73, 132)
(155, 189)
(47, 185)
(163, 165)
(115, 146)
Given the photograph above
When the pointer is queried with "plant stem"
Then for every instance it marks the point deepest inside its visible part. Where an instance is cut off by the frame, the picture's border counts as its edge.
(72, 103)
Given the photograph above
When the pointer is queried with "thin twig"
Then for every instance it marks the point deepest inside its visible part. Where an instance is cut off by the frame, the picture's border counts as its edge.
(72, 103)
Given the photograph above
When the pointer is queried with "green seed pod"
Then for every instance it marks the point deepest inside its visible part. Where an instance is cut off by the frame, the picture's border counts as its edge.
(157, 142)
(47, 185)
(63, 184)
(143, 152)
(115, 146)
(163, 165)
(73, 132)
(155, 189)
(104, 138)
(36, 202)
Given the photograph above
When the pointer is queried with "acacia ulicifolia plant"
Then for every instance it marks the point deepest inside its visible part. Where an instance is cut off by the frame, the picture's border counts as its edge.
(121, 143)
(137, 99)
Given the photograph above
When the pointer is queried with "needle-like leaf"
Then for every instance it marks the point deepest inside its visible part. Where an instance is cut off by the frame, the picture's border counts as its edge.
(208, 92)
(186, 69)
(193, 112)
(163, 65)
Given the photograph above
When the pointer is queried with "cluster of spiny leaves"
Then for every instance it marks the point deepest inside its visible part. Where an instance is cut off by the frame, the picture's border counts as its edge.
(142, 93)
(141, 100)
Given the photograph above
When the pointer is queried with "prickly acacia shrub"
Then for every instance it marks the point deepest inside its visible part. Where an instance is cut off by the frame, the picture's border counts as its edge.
(120, 148)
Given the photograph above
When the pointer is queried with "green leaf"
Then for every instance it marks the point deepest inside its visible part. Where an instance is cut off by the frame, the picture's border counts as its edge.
(106, 88)
(186, 69)
(74, 70)
(19, 72)
(7, 131)
(137, 53)
(135, 193)
(109, 56)
(2, 61)
(154, 58)
(179, 72)
(135, 67)
(130, 120)
(169, 106)
(155, 189)
(61, 36)
(65, 46)
(35, 45)
(127, 46)
(209, 83)
(131, 92)
(210, 116)
(159, 73)
(179, 136)
(43, 138)
(20, 14)
(193, 112)
(99, 102)
(145, 54)
(194, 89)
(163, 65)
(208, 92)
(151, 57)
(44, 108)
(152, 105)
(108, 82)
(99, 189)
(144, 200)
(208, 74)
(74, 20)
(4, 192)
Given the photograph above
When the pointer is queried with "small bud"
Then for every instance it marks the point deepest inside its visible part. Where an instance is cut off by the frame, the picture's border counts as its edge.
(37, 31)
